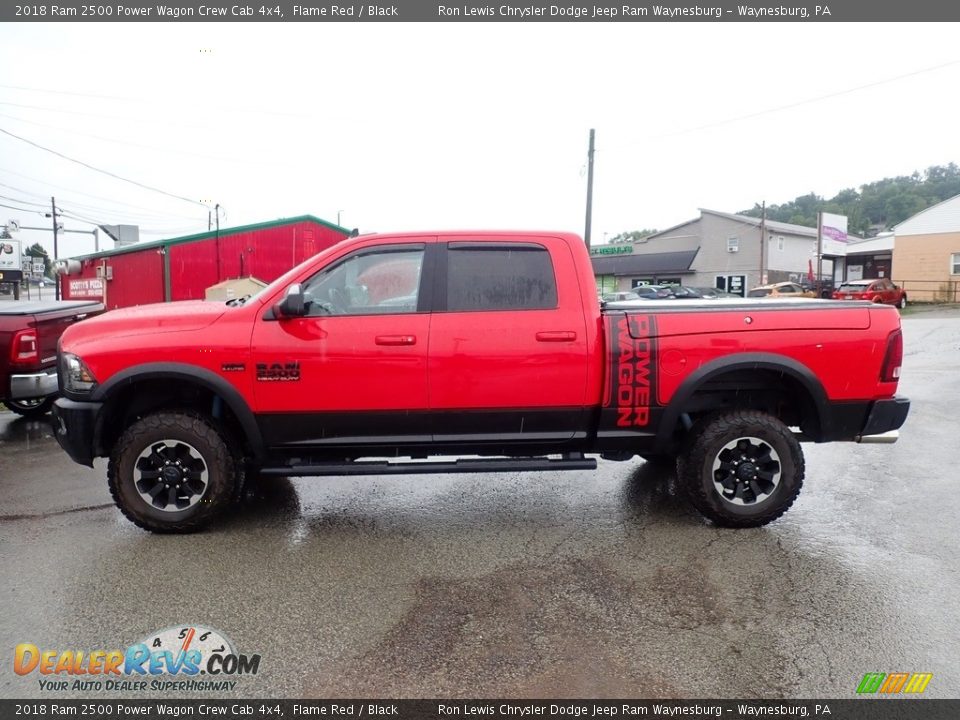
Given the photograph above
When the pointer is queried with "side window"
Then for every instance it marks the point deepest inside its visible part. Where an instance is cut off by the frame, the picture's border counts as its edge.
(787, 289)
(370, 282)
(499, 277)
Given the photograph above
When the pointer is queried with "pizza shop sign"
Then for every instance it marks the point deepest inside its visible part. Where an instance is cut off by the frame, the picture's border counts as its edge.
(86, 288)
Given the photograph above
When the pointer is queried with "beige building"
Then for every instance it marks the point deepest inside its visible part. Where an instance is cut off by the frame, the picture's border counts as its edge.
(926, 255)
(716, 249)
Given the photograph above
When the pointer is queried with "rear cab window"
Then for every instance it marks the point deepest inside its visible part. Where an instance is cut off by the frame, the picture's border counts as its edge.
(499, 276)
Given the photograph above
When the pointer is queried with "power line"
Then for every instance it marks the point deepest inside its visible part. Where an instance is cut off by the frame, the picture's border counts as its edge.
(104, 172)
(77, 192)
(21, 200)
(215, 158)
(789, 106)
(27, 210)
(127, 216)
(73, 215)
(73, 94)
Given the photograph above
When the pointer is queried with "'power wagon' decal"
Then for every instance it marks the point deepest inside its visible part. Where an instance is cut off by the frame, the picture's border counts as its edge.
(632, 370)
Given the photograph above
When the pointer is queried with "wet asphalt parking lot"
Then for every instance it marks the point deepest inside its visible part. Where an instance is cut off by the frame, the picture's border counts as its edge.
(577, 584)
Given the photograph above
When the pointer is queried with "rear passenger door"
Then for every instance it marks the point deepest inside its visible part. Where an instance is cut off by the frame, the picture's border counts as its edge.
(508, 351)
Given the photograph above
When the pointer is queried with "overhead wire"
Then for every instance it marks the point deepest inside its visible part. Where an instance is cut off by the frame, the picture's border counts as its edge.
(128, 217)
(77, 192)
(25, 202)
(102, 171)
(27, 210)
(788, 106)
(141, 145)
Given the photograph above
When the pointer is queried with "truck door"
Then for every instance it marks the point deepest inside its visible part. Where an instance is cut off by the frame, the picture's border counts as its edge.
(508, 351)
(354, 370)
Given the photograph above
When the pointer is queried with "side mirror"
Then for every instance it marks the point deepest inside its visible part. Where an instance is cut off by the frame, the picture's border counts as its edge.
(293, 303)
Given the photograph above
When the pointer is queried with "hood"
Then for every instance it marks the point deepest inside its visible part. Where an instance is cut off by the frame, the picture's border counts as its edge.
(148, 320)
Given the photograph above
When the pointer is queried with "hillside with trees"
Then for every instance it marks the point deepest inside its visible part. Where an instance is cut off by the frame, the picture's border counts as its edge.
(876, 206)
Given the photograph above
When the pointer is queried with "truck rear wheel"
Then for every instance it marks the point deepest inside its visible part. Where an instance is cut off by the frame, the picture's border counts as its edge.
(172, 472)
(741, 468)
(32, 408)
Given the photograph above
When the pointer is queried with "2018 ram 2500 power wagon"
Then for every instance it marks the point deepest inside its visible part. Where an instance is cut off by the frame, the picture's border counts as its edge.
(489, 344)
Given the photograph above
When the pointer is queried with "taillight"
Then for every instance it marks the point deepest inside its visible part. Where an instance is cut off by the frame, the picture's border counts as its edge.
(890, 372)
(25, 347)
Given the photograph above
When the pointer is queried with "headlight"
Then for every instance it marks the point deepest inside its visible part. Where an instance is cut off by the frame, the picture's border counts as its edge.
(75, 376)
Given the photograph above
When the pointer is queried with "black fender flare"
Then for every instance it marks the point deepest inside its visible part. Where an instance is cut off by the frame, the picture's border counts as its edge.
(745, 361)
(188, 373)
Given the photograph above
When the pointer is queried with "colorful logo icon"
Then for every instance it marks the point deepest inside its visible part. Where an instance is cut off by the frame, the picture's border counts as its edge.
(893, 683)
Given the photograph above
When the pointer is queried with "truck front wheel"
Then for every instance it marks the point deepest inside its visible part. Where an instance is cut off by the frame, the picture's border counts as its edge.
(741, 468)
(171, 472)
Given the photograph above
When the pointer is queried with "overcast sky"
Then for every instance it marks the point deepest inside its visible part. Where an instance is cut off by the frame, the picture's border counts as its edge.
(455, 125)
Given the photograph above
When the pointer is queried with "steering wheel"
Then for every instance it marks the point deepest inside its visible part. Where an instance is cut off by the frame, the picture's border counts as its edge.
(338, 300)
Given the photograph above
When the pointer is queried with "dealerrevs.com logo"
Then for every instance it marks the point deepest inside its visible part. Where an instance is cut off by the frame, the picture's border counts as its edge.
(894, 683)
(179, 658)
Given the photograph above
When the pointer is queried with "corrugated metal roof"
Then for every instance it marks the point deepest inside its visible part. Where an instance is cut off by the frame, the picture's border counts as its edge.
(223, 232)
(770, 224)
(656, 263)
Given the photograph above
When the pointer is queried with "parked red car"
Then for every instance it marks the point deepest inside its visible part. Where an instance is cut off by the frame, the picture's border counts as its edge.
(878, 290)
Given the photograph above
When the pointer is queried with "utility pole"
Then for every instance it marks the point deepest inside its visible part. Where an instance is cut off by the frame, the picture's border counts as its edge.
(586, 232)
(819, 248)
(57, 229)
(56, 254)
(763, 235)
(217, 209)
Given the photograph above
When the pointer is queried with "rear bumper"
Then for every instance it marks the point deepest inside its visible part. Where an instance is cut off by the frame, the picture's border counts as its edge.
(74, 426)
(34, 385)
(885, 416)
(866, 422)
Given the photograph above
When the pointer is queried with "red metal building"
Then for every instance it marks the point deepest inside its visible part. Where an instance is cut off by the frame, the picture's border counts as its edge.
(183, 268)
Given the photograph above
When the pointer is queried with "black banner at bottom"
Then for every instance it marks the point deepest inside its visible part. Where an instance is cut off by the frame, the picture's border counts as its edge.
(851, 709)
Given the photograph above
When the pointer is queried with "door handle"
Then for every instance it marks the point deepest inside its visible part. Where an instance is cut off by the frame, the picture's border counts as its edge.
(396, 339)
(557, 336)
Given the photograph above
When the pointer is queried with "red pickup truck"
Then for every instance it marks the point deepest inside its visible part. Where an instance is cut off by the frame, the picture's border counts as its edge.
(29, 332)
(409, 347)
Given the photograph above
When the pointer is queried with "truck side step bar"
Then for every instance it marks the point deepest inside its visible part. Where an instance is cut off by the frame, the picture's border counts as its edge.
(570, 461)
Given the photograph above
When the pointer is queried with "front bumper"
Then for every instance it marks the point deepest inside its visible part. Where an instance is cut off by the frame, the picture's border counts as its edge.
(75, 427)
(34, 385)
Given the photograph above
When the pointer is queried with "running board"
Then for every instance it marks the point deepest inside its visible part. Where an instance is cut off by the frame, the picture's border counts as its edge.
(572, 461)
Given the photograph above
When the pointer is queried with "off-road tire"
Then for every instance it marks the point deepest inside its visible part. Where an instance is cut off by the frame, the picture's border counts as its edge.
(33, 408)
(704, 445)
(201, 436)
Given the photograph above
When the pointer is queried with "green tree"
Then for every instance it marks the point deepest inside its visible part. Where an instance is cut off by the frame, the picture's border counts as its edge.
(632, 235)
(36, 251)
(877, 206)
